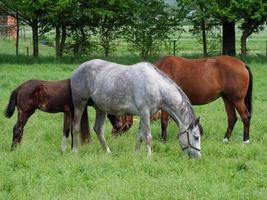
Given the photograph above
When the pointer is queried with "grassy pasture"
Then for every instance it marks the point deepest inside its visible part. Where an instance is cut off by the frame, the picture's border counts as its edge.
(38, 170)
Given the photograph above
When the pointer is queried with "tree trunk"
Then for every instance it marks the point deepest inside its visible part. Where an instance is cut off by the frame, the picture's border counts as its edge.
(106, 50)
(204, 37)
(229, 38)
(245, 35)
(243, 44)
(17, 36)
(35, 38)
(63, 40)
(79, 43)
(57, 40)
(106, 45)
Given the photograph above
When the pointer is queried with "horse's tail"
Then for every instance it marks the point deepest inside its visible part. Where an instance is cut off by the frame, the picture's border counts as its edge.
(85, 133)
(248, 97)
(11, 104)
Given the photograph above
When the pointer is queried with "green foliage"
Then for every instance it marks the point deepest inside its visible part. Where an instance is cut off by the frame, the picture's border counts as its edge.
(253, 15)
(58, 12)
(249, 14)
(110, 17)
(201, 17)
(144, 24)
(27, 9)
(151, 23)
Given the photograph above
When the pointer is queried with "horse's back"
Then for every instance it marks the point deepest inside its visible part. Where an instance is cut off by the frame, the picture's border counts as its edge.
(206, 79)
(49, 96)
(56, 96)
(235, 76)
(110, 84)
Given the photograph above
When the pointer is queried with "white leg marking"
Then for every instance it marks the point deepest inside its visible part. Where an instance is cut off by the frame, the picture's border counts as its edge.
(246, 142)
(75, 150)
(108, 150)
(138, 144)
(63, 143)
(148, 150)
(225, 140)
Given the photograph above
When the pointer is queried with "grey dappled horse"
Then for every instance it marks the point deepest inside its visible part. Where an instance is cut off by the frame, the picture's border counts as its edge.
(139, 89)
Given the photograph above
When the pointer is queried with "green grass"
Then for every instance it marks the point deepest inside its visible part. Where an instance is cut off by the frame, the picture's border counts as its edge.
(38, 170)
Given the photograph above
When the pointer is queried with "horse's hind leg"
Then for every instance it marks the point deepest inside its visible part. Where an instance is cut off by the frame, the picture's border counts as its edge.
(66, 131)
(99, 129)
(144, 133)
(78, 111)
(85, 132)
(231, 115)
(245, 116)
(19, 126)
(164, 125)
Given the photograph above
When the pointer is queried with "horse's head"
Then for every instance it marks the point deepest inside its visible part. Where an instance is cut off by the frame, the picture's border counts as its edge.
(122, 124)
(190, 139)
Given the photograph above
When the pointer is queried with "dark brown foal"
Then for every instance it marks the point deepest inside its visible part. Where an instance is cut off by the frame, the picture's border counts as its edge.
(48, 96)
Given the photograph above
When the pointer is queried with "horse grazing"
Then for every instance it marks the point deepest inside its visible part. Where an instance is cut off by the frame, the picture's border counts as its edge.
(139, 89)
(205, 80)
(48, 96)
(126, 122)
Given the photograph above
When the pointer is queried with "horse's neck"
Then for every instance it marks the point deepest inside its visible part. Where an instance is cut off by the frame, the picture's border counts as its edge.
(180, 111)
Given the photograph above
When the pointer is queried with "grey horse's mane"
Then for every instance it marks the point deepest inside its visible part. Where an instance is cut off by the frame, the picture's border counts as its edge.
(184, 97)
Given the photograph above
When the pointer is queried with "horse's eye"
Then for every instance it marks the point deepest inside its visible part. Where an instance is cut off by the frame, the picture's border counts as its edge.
(196, 137)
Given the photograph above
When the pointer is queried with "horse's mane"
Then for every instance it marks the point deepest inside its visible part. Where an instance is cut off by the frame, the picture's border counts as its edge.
(184, 97)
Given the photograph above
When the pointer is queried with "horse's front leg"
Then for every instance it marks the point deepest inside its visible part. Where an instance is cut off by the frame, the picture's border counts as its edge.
(99, 129)
(144, 133)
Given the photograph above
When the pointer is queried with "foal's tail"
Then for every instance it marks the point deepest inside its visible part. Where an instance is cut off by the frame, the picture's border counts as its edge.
(11, 104)
(248, 97)
(85, 133)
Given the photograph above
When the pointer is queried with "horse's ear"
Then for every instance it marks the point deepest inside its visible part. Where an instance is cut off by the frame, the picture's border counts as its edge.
(194, 123)
(197, 120)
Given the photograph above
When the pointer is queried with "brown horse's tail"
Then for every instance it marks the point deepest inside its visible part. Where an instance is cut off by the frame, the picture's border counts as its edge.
(11, 104)
(85, 133)
(248, 98)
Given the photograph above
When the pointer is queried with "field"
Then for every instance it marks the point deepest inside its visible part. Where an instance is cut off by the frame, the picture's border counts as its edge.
(38, 170)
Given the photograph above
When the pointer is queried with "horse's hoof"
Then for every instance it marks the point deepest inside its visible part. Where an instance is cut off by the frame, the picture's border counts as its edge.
(246, 142)
(75, 151)
(225, 140)
(108, 150)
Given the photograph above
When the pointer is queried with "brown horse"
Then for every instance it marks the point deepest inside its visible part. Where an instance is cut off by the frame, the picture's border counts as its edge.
(205, 80)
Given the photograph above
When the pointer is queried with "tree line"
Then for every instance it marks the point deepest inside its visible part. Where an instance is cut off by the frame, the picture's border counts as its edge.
(143, 24)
